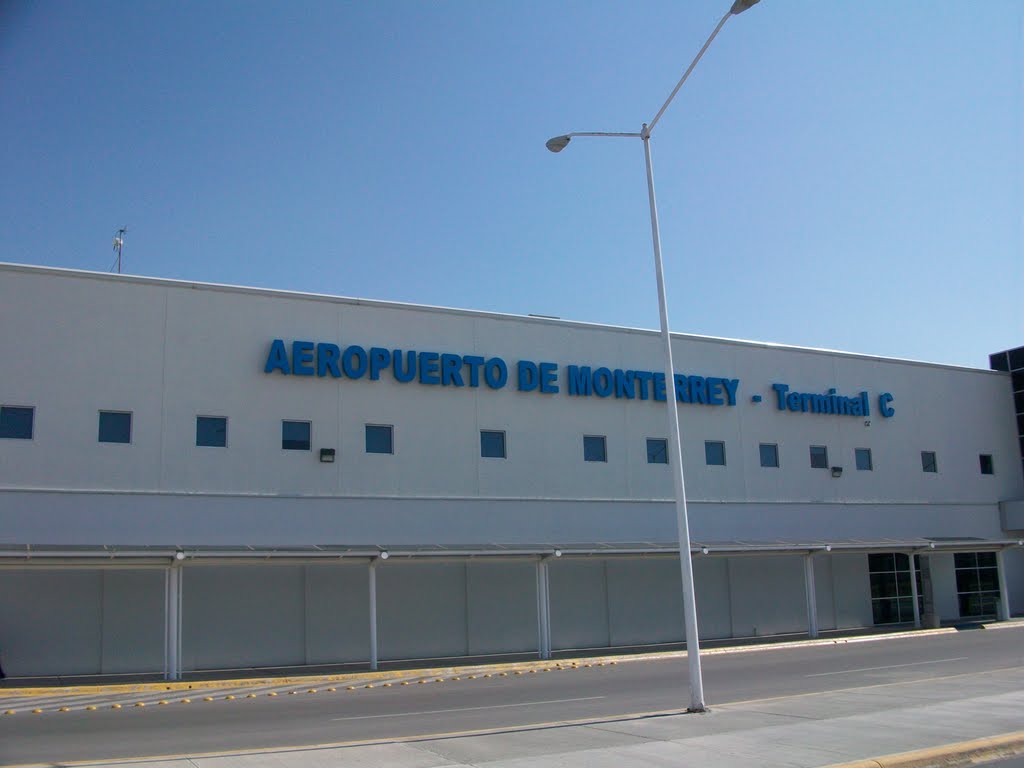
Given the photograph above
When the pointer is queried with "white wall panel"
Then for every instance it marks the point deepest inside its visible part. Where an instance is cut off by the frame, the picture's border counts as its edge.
(133, 621)
(243, 616)
(50, 622)
(851, 588)
(337, 613)
(421, 610)
(713, 594)
(501, 599)
(768, 595)
(579, 603)
(644, 600)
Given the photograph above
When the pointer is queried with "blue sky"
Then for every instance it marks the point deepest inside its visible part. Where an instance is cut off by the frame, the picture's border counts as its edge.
(835, 174)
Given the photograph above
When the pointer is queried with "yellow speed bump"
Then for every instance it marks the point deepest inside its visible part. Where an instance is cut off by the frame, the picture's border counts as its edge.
(91, 708)
(115, 706)
(186, 701)
(140, 703)
(64, 709)
(229, 697)
(207, 698)
(331, 690)
(272, 693)
(350, 687)
(11, 712)
(386, 685)
(312, 690)
(250, 696)
(405, 682)
(37, 711)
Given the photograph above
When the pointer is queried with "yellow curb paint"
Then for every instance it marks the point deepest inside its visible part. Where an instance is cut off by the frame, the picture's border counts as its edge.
(974, 751)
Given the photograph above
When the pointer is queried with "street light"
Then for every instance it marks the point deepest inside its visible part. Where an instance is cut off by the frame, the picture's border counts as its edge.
(557, 144)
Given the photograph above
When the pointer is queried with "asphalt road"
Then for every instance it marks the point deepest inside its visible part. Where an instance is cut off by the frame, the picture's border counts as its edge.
(497, 702)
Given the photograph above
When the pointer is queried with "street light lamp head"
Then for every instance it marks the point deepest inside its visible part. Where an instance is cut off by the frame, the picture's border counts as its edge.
(558, 143)
(741, 5)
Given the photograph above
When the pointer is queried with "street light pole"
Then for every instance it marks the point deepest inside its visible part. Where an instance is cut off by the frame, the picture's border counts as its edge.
(557, 144)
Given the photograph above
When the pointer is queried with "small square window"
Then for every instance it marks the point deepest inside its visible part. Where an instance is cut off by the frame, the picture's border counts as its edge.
(657, 450)
(769, 455)
(115, 427)
(295, 435)
(714, 453)
(595, 448)
(819, 457)
(492, 444)
(211, 431)
(985, 460)
(380, 438)
(929, 462)
(16, 422)
(863, 459)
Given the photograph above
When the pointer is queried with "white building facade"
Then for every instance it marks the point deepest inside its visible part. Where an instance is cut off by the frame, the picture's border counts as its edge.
(198, 477)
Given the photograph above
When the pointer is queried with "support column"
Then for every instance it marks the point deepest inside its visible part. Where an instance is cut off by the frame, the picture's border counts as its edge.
(1004, 595)
(543, 610)
(373, 614)
(812, 601)
(172, 623)
(913, 591)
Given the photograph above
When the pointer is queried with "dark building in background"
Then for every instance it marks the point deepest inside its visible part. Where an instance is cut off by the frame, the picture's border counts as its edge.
(1012, 361)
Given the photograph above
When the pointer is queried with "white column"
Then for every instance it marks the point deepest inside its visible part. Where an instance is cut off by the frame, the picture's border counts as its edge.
(172, 623)
(1004, 595)
(543, 610)
(913, 591)
(812, 602)
(373, 613)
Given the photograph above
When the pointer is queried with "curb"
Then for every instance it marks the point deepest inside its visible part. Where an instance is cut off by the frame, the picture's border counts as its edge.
(960, 753)
(366, 675)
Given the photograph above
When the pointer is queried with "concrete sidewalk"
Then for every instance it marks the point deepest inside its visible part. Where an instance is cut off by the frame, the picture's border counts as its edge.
(805, 730)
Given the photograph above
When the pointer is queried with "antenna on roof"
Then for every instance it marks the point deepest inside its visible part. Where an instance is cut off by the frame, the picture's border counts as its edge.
(118, 245)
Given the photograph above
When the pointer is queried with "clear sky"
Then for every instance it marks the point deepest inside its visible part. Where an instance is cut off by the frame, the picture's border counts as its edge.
(837, 174)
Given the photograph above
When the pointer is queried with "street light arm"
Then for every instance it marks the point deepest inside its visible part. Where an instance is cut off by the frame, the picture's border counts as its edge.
(689, 69)
(558, 143)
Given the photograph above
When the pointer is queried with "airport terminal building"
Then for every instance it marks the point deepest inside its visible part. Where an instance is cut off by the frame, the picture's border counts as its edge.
(205, 477)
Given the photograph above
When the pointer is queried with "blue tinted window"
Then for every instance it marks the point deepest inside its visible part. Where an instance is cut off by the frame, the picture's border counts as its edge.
(714, 453)
(594, 448)
(379, 439)
(863, 457)
(769, 455)
(16, 423)
(115, 427)
(492, 444)
(928, 462)
(295, 435)
(819, 457)
(657, 450)
(211, 431)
